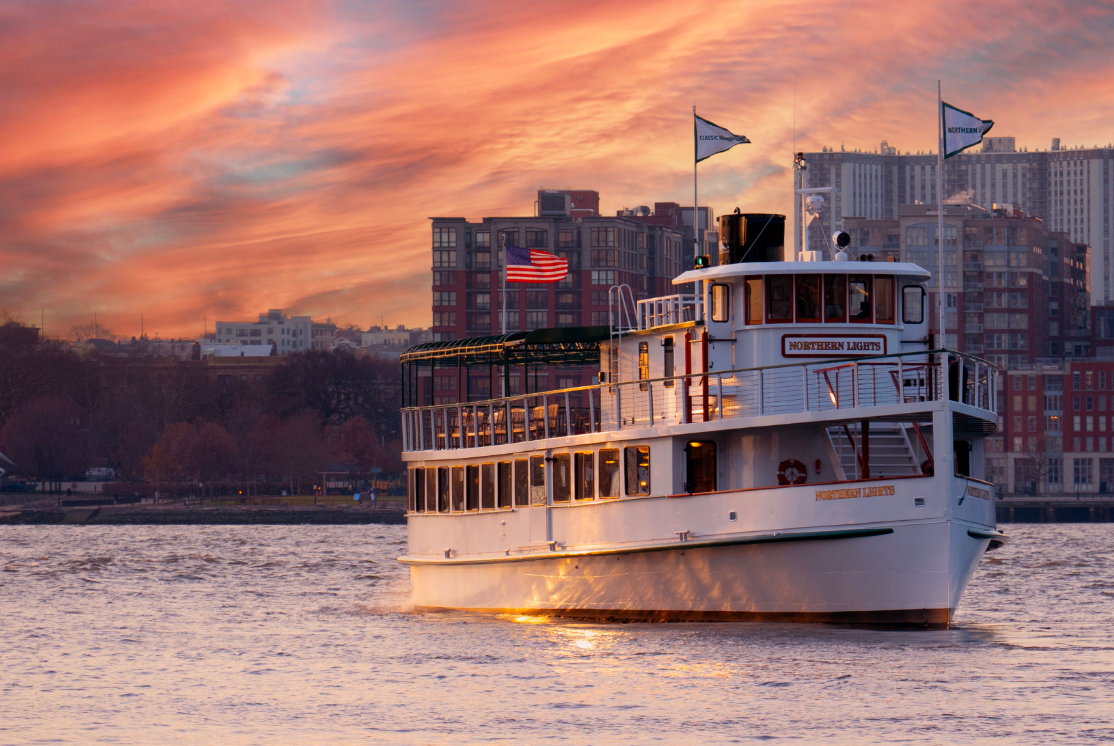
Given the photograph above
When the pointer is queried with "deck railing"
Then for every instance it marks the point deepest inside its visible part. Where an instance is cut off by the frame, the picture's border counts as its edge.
(725, 395)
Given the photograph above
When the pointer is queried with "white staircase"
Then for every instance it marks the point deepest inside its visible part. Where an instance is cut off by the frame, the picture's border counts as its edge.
(891, 451)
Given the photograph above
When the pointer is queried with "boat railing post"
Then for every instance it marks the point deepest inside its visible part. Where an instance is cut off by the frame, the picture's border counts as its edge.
(900, 380)
(719, 394)
(545, 414)
(526, 419)
(491, 423)
(591, 413)
(618, 407)
(568, 416)
(650, 402)
(761, 391)
(804, 386)
(421, 429)
(855, 384)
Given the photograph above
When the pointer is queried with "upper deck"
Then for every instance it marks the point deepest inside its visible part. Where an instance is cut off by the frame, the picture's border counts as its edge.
(759, 344)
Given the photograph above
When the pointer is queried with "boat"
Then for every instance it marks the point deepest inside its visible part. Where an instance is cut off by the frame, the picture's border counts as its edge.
(787, 442)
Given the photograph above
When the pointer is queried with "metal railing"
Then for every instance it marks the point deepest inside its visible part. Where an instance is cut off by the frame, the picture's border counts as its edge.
(703, 397)
(666, 310)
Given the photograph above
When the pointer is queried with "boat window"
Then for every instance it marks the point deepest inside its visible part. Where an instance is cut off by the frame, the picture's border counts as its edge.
(562, 478)
(859, 286)
(808, 298)
(504, 474)
(418, 500)
(458, 488)
(638, 470)
(487, 487)
(721, 302)
(437, 491)
(667, 361)
(912, 304)
(537, 480)
(473, 484)
(609, 472)
(779, 298)
(835, 298)
(522, 483)
(884, 300)
(754, 300)
(643, 364)
(585, 469)
(700, 466)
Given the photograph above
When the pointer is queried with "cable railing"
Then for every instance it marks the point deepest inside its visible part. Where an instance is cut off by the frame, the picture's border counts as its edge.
(703, 397)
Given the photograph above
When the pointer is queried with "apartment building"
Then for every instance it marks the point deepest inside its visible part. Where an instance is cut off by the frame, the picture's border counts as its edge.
(467, 266)
(1067, 187)
(1015, 290)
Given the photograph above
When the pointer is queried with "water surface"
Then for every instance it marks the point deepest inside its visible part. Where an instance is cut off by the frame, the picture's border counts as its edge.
(300, 634)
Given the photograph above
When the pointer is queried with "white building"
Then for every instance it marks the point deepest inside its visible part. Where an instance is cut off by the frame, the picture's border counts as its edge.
(287, 333)
(1069, 188)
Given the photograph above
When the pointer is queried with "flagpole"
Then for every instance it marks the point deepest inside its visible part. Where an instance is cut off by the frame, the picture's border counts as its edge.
(695, 203)
(503, 246)
(697, 286)
(940, 206)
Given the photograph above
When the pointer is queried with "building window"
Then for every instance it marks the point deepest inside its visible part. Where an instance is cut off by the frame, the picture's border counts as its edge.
(603, 237)
(536, 320)
(440, 298)
(603, 276)
(444, 237)
(444, 318)
(508, 237)
(444, 278)
(483, 260)
(536, 238)
(1052, 471)
(1083, 471)
(444, 258)
(483, 239)
(565, 238)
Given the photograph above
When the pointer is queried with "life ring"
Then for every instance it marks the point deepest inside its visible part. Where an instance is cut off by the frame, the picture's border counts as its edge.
(791, 471)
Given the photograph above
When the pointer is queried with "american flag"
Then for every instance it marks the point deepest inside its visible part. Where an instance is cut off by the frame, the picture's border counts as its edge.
(532, 265)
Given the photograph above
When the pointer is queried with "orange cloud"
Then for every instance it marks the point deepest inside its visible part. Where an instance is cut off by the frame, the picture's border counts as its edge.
(226, 158)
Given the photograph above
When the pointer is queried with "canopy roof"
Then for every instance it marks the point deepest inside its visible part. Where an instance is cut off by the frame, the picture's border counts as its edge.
(573, 345)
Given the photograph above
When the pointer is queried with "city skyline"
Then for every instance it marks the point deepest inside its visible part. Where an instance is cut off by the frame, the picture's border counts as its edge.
(216, 161)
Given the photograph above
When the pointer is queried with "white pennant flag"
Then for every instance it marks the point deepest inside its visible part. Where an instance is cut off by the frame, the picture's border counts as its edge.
(962, 129)
(712, 139)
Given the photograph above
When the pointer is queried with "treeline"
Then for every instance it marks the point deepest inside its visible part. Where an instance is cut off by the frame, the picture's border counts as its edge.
(171, 422)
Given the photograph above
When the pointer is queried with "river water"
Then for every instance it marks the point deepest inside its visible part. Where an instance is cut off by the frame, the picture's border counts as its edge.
(300, 634)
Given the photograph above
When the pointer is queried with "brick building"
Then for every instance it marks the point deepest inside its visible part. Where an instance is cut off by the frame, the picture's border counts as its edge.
(1015, 291)
(1058, 430)
(1068, 187)
(638, 248)
(467, 266)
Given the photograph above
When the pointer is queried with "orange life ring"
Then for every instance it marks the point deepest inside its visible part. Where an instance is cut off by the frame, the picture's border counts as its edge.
(791, 471)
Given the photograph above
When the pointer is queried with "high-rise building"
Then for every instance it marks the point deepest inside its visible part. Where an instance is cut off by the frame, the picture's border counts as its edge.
(1068, 188)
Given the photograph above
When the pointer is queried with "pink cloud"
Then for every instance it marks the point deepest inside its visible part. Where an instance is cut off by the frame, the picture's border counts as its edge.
(227, 158)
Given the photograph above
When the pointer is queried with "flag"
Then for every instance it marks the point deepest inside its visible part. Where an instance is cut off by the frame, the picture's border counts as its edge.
(532, 265)
(712, 139)
(962, 129)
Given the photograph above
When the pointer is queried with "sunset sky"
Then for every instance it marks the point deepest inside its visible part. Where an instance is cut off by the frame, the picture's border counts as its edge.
(178, 160)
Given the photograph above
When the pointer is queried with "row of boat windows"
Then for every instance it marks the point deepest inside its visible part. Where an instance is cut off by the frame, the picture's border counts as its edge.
(832, 299)
(579, 476)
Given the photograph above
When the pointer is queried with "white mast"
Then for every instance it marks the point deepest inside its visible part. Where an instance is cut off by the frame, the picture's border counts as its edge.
(940, 207)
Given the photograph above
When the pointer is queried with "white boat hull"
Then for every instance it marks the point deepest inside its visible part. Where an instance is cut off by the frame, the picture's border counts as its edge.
(911, 573)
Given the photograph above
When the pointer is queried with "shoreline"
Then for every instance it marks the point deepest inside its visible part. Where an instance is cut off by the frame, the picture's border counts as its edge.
(200, 516)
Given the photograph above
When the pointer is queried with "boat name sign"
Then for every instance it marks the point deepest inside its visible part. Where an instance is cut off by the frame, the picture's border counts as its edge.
(875, 490)
(826, 345)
